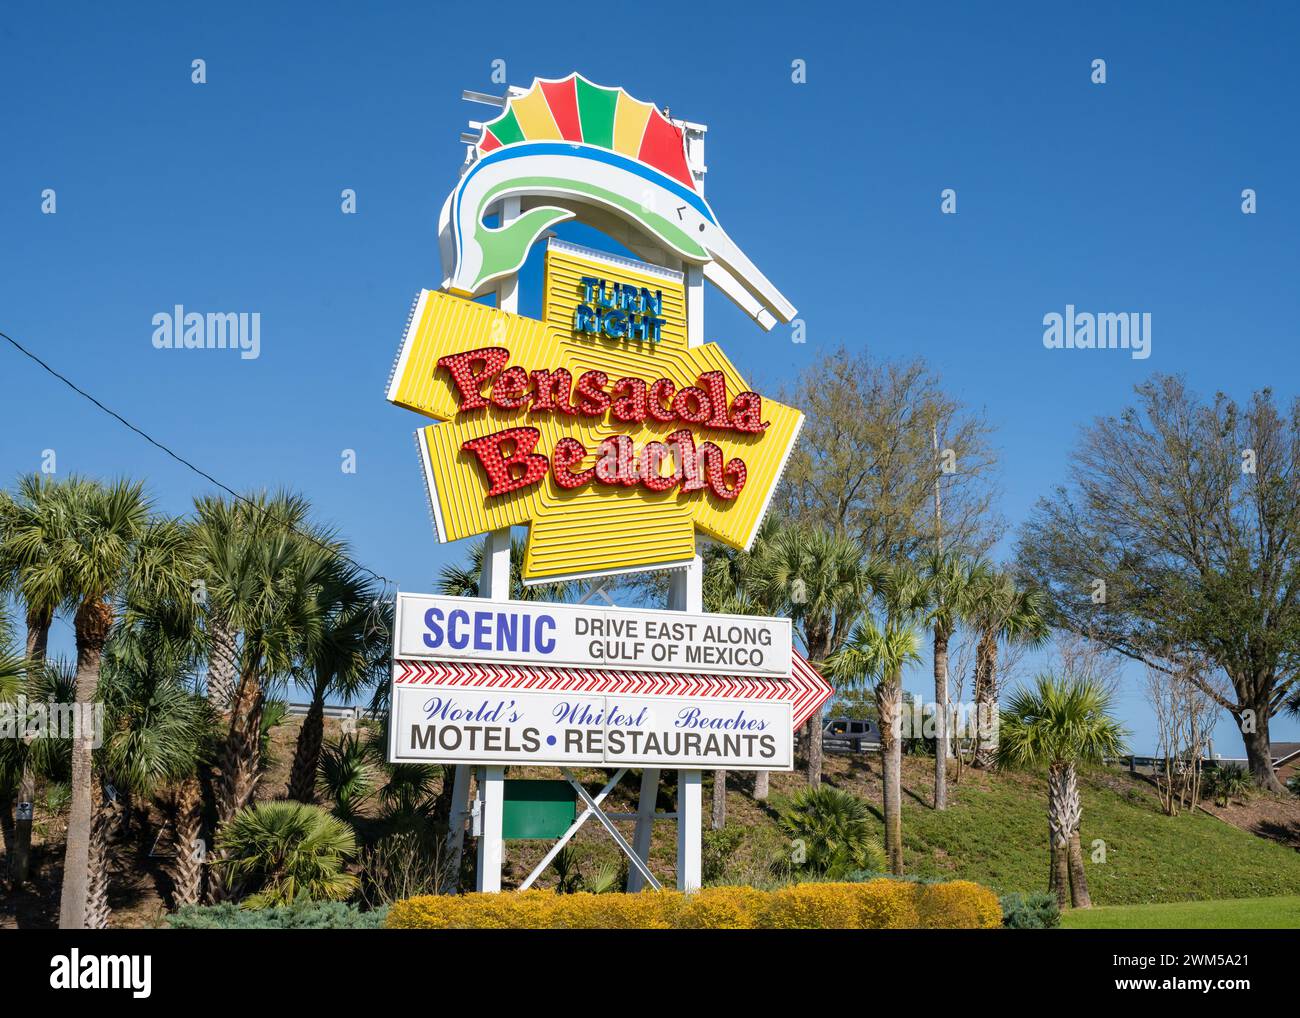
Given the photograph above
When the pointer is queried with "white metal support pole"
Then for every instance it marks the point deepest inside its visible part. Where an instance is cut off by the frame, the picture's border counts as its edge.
(690, 822)
(491, 805)
(494, 583)
(687, 594)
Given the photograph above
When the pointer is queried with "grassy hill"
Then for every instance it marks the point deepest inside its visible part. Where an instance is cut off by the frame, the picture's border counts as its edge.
(994, 832)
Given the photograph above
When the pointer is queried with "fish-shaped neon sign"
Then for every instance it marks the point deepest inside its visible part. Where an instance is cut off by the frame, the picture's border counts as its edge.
(571, 142)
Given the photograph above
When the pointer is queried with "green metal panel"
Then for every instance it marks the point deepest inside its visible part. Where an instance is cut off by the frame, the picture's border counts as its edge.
(538, 809)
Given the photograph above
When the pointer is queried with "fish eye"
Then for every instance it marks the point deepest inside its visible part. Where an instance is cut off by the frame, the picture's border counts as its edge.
(701, 227)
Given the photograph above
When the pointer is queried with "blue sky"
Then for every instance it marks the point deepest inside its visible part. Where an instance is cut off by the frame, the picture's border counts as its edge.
(225, 196)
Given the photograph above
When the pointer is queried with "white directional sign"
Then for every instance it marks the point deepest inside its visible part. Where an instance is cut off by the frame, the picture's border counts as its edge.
(475, 725)
(587, 636)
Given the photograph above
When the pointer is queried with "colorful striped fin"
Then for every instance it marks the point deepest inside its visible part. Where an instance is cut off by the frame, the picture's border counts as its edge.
(573, 109)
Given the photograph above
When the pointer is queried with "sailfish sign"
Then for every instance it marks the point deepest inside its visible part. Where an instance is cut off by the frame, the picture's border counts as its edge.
(573, 141)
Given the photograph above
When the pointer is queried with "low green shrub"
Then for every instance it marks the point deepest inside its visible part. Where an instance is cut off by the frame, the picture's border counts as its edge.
(830, 833)
(1228, 782)
(306, 915)
(1037, 911)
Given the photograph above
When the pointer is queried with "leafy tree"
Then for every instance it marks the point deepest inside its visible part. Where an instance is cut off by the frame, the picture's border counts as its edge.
(1058, 725)
(880, 441)
(1179, 539)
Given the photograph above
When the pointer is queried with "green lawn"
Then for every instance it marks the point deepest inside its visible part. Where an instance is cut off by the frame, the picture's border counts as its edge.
(995, 833)
(1232, 914)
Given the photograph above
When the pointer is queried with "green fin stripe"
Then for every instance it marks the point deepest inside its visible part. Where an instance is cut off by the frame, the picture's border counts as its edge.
(596, 108)
(507, 129)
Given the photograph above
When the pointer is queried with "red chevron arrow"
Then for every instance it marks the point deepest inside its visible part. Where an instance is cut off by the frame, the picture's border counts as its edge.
(805, 690)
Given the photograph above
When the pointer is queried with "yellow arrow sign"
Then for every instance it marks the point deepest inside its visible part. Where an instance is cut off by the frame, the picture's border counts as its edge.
(597, 426)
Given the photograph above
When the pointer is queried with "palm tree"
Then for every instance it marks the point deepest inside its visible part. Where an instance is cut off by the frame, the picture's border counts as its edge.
(274, 606)
(156, 730)
(262, 568)
(107, 524)
(1058, 725)
(350, 653)
(13, 755)
(876, 656)
(224, 532)
(819, 579)
(1002, 612)
(950, 588)
(34, 527)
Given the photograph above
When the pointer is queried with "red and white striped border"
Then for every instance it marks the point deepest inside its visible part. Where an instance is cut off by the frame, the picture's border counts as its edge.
(805, 690)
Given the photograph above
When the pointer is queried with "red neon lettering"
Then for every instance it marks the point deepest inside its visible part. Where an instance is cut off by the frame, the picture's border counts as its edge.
(502, 467)
(470, 382)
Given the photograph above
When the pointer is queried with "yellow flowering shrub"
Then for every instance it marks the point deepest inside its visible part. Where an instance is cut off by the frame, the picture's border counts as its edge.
(959, 905)
(874, 905)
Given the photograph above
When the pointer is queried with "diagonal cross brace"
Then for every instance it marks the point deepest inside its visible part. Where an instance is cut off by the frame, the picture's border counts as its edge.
(592, 809)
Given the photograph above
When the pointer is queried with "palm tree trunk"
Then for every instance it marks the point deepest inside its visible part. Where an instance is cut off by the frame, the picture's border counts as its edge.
(306, 754)
(888, 702)
(1058, 882)
(814, 733)
(239, 769)
(1058, 830)
(1079, 895)
(816, 647)
(186, 869)
(762, 785)
(719, 800)
(38, 639)
(241, 753)
(940, 719)
(93, 621)
(1072, 816)
(222, 658)
(101, 832)
(986, 699)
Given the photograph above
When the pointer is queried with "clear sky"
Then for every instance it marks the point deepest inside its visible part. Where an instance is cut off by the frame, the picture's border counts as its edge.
(225, 196)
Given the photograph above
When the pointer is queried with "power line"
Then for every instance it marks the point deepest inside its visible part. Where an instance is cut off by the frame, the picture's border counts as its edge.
(198, 470)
